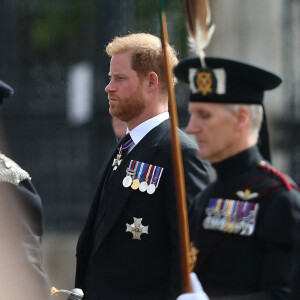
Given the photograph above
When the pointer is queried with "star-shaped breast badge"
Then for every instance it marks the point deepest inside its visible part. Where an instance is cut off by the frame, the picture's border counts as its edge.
(136, 228)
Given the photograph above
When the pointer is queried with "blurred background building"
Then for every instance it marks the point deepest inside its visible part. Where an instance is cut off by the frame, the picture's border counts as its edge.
(57, 125)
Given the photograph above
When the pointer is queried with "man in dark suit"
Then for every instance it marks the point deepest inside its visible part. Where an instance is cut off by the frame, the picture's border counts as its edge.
(21, 272)
(129, 248)
(242, 223)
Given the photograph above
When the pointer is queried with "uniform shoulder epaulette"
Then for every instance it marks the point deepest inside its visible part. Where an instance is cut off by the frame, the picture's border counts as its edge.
(283, 178)
(11, 172)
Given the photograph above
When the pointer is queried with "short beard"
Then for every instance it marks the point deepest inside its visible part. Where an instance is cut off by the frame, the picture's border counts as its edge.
(130, 107)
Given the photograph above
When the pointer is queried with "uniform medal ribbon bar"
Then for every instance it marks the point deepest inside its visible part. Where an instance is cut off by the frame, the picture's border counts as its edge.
(231, 216)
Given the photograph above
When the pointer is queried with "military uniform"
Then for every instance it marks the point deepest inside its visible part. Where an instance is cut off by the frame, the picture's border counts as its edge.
(295, 275)
(20, 233)
(242, 223)
(21, 272)
(239, 256)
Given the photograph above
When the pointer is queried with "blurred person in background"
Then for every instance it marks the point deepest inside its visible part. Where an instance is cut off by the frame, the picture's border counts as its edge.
(119, 127)
(21, 228)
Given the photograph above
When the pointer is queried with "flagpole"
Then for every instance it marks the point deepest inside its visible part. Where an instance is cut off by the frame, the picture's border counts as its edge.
(184, 239)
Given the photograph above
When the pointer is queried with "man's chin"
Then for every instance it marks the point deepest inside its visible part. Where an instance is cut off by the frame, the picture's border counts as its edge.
(112, 112)
(202, 154)
(116, 115)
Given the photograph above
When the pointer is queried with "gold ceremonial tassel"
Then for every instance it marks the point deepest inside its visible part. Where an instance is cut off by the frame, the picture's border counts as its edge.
(54, 291)
(200, 30)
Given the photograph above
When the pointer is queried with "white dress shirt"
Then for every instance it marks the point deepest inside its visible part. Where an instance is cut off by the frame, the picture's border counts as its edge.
(141, 130)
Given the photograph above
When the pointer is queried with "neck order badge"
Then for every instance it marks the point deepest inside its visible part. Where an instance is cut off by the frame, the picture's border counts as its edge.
(117, 161)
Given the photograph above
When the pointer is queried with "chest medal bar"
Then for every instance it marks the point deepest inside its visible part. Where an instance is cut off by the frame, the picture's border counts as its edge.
(231, 216)
(142, 176)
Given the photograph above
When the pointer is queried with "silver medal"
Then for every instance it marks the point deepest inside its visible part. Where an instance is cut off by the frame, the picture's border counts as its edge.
(151, 188)
(143, 186)
(206, 222)
(127, 181)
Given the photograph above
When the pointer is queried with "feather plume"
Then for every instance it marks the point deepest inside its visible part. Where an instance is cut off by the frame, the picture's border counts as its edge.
(198, 18)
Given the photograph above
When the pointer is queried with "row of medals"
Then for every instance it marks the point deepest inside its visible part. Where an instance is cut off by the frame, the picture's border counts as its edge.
(135, 184)
(225, 223)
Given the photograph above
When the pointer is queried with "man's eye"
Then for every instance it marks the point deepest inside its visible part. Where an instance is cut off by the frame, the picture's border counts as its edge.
(204, 115)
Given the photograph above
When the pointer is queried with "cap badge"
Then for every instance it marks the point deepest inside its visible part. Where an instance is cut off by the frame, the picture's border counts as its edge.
(205, 82)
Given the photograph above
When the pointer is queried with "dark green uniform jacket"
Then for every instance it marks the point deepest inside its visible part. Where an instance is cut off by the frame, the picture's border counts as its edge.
(242, 225)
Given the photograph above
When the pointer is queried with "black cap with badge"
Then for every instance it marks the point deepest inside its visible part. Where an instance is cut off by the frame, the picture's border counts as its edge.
(228, 81)
(225, 80)
(5, 91)
(222, 80)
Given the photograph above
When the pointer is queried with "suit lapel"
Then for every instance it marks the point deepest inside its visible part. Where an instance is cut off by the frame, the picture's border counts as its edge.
(144, 151)
(89, 225)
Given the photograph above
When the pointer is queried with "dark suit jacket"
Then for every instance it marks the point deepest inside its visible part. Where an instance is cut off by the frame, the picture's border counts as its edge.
(112, 265)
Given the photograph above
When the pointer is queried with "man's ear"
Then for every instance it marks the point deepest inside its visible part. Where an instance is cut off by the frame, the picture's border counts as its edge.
(243, 118)
(152, 81)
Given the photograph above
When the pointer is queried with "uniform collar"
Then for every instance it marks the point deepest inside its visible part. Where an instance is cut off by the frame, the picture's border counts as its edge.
(238, 164)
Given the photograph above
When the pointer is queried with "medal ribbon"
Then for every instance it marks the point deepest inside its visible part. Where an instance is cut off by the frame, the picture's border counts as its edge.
(229, 208)
(245, 210)
(148, 172)
(130, 165)
(158, 176)
(143, 170)
(254, 210)
(135, 166)
(234, 206)
(139, 170)
(212, 203)
(152, 174)
(126, 145)
(237, 210)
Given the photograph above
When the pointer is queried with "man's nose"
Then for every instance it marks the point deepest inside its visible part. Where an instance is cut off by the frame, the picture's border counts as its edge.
(193, 126)
(110, 87)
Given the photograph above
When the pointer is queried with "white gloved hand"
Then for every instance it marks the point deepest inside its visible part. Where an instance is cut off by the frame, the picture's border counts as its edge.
(198, 293)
